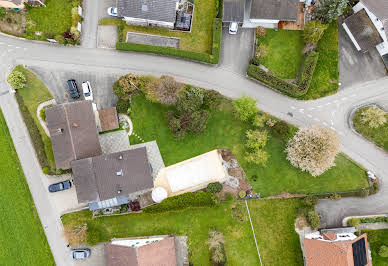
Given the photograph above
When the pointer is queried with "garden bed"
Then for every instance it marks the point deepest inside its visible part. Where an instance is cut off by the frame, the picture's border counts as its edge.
(13, 22)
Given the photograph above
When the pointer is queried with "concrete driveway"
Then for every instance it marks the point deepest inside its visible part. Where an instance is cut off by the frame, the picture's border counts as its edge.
(97, 256)
(354, 66)
(237, 50)
(93, 12)
(55, 80)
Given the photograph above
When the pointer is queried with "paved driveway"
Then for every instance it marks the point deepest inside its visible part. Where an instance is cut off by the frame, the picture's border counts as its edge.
(97, 257)
(55, 80)
(354, 66)
(94, 11)
(107, 36)
(237, 50)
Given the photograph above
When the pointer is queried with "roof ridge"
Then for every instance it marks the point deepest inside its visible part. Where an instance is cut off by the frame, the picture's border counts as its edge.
(70, 131)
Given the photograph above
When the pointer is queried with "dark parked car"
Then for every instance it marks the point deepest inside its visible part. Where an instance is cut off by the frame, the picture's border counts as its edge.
(80, 253)
(73, 89)
(60, 186)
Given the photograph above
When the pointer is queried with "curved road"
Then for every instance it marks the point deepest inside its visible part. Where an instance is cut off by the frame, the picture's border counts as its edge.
(332, 111)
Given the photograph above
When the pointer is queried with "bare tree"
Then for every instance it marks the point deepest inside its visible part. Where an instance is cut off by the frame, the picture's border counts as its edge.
(168, 90)
(313, 149)
(76, 235)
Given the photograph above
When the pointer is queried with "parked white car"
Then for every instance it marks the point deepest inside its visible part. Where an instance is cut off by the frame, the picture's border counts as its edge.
(233, 27)
(112, 11)
(87, 90)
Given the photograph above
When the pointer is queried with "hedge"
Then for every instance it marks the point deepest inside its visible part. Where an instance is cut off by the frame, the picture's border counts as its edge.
(186, 200)
(203, 57)
(33, 130)
(290, 89)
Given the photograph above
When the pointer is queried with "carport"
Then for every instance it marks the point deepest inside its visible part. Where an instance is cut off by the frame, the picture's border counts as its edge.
(233, 11)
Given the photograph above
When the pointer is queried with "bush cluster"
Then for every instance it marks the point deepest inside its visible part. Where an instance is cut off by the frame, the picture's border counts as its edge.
(17, 80)
(35, 135)
(2, 12)
(313, 219)
(186, 200)
(122, 106)
(383, 251)
(355, 222)
(215, 187)
(203, 57)
(307, 70)
(216, 246)
(245, 108)
(374, 220)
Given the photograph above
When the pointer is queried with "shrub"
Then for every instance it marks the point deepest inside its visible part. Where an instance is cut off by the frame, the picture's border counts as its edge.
(186, 200)
(256, 139)
(329, 10)
(122, 106)
(214, 187)
(257, 157)
(281, 128)
(245, 107)
(229, 197)
(260, 31)
(313, 149)
(270, 122)
(167, 92)
(60, 39)
(46, 170)
(120, 32)
(216, 246)
(374, 117)
(124, 208)
(255, 61)
(383, 251)
(259, 120)
(355, 222)
(335, 196)
(313, 219)
(212, 99)
(58, 171)
(313, 31)
(126, 85)
(42, 114)
(310, 201)
(198, 122)
(2, 12)
(364, 192)
(190, 100)
(242, 194)
(307, 71)
(17, 80)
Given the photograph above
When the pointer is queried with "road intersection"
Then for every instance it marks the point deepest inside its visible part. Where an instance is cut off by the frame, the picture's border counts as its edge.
(332, 111)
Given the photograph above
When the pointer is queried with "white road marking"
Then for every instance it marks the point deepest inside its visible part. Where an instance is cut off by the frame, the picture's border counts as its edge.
(301, 110)
(328, 104)
(336, 101)
(311, 108)
(319, 106)
(324, 123)
(10, 45)
(332, 122)
(17, 47)
(293, 107)
(310, 116)
(10, 50)
(316, 119)
(344, 99)
(353, 95)
(332, 128)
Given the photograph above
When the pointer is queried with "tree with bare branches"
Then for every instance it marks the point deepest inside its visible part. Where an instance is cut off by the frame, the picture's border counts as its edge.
(313, 149)
(76, 235)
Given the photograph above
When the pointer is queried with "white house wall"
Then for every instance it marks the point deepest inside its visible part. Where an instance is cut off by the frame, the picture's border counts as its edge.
(145, 22)
(266, 23)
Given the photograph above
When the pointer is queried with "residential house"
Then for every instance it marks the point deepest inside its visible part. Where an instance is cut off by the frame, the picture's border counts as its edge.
(340, 247)
(73, 132)
(368, 27)
(154, 13)
(151, 250)
(113, 179)
(233, 11)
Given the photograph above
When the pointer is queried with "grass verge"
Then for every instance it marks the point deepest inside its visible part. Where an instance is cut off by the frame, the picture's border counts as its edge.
(379, 135)
(230, 218)
(376, 239)
(224, 131)
(34, 93)
(22, 238)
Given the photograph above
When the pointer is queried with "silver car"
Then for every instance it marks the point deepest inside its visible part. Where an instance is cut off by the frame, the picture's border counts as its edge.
(80, 253)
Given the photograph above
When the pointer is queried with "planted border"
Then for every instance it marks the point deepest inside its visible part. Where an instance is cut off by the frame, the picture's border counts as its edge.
(212, 58)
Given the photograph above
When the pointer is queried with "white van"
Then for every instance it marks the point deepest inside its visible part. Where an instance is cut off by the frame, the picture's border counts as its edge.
(87, 90)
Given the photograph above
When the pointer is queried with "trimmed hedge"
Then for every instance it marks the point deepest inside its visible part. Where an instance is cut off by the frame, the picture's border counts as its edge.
(186, 200)
(203, 57)
(33, 130)
(287, 88)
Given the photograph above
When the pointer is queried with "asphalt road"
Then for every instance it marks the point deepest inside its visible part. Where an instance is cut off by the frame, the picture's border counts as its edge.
(332, 111)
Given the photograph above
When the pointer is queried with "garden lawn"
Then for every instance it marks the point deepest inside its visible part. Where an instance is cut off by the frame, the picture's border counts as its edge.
(224, 131)
(33, 94)
(22, 238)
(200, 38)
(284, 52)
(376, 239)
(197, 222)
(326, 76)
(377, 135)
(55, 18)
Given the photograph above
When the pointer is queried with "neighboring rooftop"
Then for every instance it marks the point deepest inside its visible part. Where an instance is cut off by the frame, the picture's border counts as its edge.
(336, 249)
(363, 30)
(158, 10)
(151, 251)
(284, 10)
(377, 7)
(73, 132)
(112, 175)
(233, 11)
(108, 119)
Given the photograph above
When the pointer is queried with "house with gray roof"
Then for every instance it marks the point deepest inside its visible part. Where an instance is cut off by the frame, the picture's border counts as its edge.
(368, 27)
(73, 132)
(113, 179)
(155, 13)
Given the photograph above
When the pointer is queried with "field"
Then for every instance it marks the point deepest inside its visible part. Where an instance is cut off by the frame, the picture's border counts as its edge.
(273, 222)
(225, 131)
(377, 135)
(376, 239)
(200, 38)
(22, 238)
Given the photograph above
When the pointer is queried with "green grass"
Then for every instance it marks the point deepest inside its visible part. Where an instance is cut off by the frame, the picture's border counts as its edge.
(33, 94)
(273, 222)
(55, 18)
(224, 131)
(200, 38)
(376, 239)
(325, 78)
(284, 52)
(377, 135)
(22, 238)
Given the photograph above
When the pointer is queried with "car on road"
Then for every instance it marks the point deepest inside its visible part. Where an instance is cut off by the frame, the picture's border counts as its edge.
(73, 89)
(233, 27)
(60, 186)
(80, 253)
(87, 90)
(112, 11)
